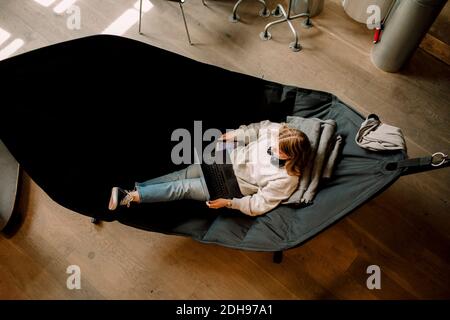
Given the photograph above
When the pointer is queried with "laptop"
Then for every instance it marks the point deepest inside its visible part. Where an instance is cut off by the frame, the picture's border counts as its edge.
(219, 175)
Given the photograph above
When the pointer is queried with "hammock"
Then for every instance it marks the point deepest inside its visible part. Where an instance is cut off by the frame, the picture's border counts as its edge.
(96, 112)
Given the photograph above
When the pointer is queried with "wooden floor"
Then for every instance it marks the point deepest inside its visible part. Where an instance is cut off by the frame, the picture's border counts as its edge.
(405, 230)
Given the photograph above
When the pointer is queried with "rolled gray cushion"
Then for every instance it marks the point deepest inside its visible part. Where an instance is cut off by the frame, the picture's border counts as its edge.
(323, 145)
(332, 158)
(328, 130)
(312, 128)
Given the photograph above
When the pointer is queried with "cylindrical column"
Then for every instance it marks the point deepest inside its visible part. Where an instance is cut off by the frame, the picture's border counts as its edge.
(301, 6)
(403, 32)
(357, 9)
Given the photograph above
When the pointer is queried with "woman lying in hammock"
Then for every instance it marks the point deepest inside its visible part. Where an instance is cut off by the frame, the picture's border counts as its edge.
(267, 173)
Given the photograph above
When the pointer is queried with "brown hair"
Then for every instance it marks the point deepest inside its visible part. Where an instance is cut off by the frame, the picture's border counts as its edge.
(295, 144)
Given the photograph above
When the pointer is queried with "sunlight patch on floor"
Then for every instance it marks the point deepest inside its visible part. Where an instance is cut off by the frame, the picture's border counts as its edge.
(127, 19)
(11, 48)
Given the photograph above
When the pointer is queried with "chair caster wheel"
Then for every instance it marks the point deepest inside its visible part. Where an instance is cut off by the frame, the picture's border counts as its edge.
(264, 13)
(265, 36)
(95, 221)
(277, 12)
(233, 18)
(307, 24)
(295, 47)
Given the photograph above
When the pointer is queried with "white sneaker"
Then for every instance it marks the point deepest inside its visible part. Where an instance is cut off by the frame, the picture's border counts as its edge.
(120, 197)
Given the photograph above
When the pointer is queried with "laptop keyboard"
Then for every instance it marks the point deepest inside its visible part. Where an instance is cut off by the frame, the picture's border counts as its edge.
(217, 183)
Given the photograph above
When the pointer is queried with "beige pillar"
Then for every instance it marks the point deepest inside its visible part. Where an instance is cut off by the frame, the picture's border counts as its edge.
(357, 9)
(403, 32)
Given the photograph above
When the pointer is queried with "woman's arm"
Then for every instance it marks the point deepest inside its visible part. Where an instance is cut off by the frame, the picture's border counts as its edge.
(246, 133)
(266, 198)
(219, 203)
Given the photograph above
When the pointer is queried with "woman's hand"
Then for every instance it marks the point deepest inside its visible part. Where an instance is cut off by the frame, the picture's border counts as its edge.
(218, 203)
(230, 135)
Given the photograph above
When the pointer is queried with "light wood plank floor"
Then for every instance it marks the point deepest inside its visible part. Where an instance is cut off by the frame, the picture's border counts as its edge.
(405, 230)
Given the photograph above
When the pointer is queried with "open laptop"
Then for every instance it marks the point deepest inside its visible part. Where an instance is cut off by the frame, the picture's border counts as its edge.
(219, 175)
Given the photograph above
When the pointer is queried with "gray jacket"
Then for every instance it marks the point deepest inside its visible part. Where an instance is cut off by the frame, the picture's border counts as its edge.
(376, 136)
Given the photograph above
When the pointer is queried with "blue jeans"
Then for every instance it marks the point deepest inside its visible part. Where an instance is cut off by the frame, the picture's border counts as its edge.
(188, 183)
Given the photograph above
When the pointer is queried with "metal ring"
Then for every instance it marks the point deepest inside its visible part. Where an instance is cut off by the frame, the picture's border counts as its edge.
(444, 158)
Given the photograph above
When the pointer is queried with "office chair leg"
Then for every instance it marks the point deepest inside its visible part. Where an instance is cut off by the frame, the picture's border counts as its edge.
(307, 23)
(234, 17)
(279, 11)
(140, 16)
(265, 35)
(204, 3)
(264, 11)
(295, 46)
(185, 24)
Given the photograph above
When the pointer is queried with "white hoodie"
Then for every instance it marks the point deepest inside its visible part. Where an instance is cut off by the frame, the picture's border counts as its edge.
(263, 184)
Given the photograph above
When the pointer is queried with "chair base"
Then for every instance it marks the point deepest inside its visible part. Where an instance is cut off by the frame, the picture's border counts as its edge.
(279, 11)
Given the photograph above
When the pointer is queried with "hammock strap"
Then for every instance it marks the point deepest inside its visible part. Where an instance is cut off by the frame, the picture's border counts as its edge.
(410, 166)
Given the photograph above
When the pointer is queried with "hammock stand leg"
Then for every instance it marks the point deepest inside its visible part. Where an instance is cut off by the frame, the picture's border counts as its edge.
(277, 257)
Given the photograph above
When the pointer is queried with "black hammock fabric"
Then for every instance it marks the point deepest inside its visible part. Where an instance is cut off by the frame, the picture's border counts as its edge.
(96, 112)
